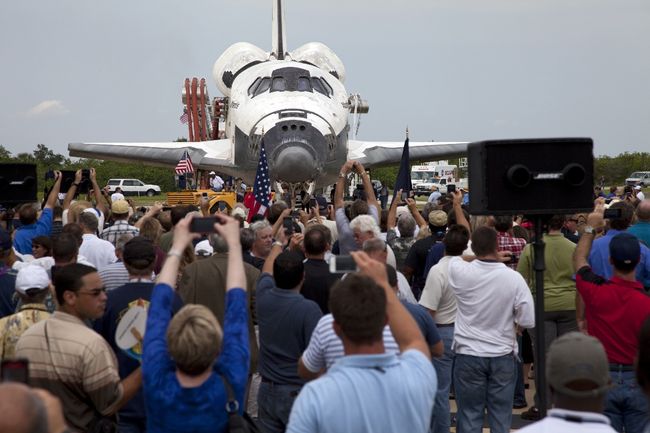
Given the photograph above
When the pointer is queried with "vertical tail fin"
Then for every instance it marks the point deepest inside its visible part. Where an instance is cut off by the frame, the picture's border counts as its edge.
(279, 39)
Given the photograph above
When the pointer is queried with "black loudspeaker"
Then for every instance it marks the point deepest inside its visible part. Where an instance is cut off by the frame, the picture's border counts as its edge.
(17, 184)
(531, 176)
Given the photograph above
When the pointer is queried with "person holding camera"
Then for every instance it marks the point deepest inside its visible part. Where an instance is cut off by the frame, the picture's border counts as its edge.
(188, 359)
(32, 226)
(615, 309)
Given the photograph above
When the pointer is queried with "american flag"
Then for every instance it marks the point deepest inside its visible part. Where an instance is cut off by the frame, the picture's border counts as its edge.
(185, 164)
(262, 187)
(185, 117)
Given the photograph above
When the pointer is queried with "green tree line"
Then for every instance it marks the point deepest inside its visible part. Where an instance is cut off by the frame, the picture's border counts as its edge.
(614, 168)
(46, 159)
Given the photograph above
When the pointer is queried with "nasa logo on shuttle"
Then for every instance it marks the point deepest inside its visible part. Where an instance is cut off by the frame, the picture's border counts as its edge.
(234, 105)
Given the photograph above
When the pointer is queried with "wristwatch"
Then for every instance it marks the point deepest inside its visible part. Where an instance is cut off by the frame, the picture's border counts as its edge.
(280, 244)
(589, 229)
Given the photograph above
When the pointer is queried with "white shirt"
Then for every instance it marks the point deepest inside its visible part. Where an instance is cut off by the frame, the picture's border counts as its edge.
(99, 214)
(325, 347)
(490, 299)
(640, 195)
(437, 295)
(216, 182)
(98, 251)
(404, 291)
(558, 420)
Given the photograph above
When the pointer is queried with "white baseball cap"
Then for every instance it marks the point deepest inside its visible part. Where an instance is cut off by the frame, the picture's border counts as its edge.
(31, 278)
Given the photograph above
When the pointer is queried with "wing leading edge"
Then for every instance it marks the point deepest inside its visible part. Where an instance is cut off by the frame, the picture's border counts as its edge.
(215, 154)
(381, 153)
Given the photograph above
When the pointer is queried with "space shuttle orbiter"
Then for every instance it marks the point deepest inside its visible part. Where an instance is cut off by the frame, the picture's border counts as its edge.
(296, 102)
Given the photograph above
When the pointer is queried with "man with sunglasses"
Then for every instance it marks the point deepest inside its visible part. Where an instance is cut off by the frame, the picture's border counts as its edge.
(570, 228)
(71, 360)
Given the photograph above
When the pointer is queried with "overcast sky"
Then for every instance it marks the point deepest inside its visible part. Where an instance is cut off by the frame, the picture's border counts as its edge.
(88, 70)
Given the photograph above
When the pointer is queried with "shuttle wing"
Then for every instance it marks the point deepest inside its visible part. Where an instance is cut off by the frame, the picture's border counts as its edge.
(380, 153)
(215, 154)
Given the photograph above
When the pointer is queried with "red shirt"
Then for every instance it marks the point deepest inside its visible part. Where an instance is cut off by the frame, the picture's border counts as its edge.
(615, 310)
(507, 242)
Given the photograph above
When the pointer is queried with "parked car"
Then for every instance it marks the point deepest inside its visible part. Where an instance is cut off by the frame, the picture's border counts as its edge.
(133, 187)
(639, 178)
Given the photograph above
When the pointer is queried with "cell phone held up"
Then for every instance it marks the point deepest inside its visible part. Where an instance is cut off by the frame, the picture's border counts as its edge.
(15, 370)
(203, 225)
(613, 213)
(342, 264)
(287, 224)
(451, 188)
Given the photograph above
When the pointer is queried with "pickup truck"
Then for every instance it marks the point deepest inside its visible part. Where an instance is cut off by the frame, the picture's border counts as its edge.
(641, 178)
(424, 188)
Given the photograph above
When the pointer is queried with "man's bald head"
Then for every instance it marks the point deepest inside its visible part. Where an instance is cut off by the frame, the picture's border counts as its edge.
(643, 211)
(28, 414)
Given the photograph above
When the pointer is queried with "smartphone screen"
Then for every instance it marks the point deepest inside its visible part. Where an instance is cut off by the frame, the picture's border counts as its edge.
(16, 370)
(287, 223)
(405, 195)
(451, 188)
(342, 264)
(312, 203)
(203, 225)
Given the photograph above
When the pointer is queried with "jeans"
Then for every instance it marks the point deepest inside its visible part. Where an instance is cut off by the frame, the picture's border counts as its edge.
(441, 420)
(484, 382)
(520, 390)
(274, 406)
(626, 406)
(556, 323)
(131, 425)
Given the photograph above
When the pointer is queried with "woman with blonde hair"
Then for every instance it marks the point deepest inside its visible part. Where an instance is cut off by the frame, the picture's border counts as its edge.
(188, 359)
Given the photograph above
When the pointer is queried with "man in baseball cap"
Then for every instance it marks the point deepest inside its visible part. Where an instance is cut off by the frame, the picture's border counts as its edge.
(577, 373)
(32, 284)
(614, 310)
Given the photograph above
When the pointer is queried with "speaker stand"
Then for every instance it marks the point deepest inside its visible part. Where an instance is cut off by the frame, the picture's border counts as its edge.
(539, 266)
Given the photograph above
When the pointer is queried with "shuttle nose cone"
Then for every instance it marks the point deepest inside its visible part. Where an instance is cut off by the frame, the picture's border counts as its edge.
(295, 164)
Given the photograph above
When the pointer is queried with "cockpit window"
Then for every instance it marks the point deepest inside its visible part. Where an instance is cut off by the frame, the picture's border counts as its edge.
(279, 84)
(303, 84)
(318, 86)
(290, 80)
(253, 87)
(264, 85)
(327, 87)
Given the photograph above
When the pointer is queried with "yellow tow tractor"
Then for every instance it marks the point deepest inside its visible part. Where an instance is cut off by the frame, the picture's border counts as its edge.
(193, 196)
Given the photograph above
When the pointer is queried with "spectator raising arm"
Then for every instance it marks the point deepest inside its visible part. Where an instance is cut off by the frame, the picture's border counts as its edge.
(69, 196)
(458, 211)
(391, 220)
(97, 192)
(367, 185)
(401, 323)
(340, 184)
(413, 207)
(54, 192)
(152, 212)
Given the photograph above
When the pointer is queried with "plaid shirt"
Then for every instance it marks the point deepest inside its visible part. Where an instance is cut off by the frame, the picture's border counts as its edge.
(507, 242)
(119, 228)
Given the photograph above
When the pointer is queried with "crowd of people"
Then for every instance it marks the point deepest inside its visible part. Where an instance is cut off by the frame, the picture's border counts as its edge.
(128, 320)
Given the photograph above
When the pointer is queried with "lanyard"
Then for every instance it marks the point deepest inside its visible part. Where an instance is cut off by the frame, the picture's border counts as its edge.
(576, 418)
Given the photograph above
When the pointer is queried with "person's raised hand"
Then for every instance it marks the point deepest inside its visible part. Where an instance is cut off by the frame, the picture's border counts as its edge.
(77, 176)
(93, 174)
(411, 203)
(457, 197)
(58, 176)
(504, 256)
(596, 220)
(295, 242)
(182, 234)
(228, 228)
(599, 205)
(371, 268)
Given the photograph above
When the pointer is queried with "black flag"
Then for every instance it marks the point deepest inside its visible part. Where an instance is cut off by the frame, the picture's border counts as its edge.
(403, 180)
